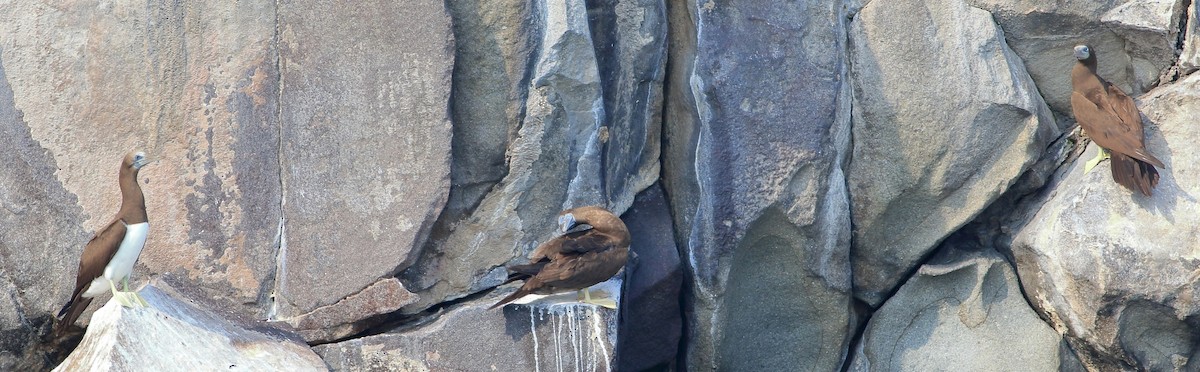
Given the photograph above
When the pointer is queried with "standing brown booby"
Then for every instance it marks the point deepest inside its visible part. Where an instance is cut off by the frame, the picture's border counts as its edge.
(1111, 119)
(110, 255)
(578, 259)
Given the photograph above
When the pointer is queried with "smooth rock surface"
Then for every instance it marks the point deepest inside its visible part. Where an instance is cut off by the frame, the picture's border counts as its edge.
(1042, 33)
(366, 143)
(651, 321)
(756, 176)
(1189, 58)
(176, 334)
(39, 226)
(468, 337)
(564, 149)
(929, 157)
(962, 309)
(192, 84)
(1114, 270)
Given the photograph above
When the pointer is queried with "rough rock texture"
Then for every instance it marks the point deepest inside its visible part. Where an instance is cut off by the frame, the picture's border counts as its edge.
(651, 320)
(39, 226)
(757, 174)
(1042, 32)
(584, 131)
(191, 84)
(1189, 59)
(929, 157)
(962, 309)
(468, 337)
(1116, 271)
(1150, 29)
(175, 334)
(366, 142)
(348, 316)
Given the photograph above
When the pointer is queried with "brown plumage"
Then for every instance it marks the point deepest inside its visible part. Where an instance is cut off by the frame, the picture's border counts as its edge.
(574, 260)
(100, 250)
(1112, 121)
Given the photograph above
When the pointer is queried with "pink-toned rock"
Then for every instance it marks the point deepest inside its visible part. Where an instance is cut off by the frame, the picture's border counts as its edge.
(331, 322)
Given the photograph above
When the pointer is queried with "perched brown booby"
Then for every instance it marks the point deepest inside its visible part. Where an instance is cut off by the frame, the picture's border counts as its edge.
(110, 255)
(578, 259)
(1111, 119)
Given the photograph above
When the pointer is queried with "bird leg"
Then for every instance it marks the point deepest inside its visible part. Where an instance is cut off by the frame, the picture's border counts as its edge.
(121, 297)
(599, 301)
(135, 295)
(1100, 156)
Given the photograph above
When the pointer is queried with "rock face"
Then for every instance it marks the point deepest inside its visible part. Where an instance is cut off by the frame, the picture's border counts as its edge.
(929, 157)
(651, 321)
(468, 337)
(366, 143)
(1116, 271)
(175, 334)
(757, 186)
(962, 309)
(584, 130)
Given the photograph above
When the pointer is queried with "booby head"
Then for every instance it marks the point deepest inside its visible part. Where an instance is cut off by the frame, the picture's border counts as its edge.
(135, 160)
(565, 222)
(1083, 52)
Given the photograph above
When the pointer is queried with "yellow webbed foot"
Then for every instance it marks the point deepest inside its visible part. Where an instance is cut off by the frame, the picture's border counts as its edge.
(1100, 156)
(586, 297)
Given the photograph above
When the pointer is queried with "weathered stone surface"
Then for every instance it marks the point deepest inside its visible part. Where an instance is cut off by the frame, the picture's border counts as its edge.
(366, 142)
(651, 319)
(962, 309)
(39, 230)
(175, 334)
(194, 85)
(929, 157)
(468, 337)
(767, 224)
(1150, 27)
(564, 149)
(1189, 58)
(1116, 271)
(346, 317)
(1043, 32)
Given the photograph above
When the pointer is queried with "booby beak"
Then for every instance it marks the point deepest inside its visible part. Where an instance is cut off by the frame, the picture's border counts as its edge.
(1082, 52)
(140, 160)
(565, 223)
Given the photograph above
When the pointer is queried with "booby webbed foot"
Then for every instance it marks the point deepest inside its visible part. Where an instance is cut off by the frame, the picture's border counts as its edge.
(123, 297)
(586, 297)
(134, 295)
(1100, 156)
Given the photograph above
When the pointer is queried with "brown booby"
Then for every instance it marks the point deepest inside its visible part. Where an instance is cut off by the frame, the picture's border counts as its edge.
(110, 255)
(593, 247)
(1112, 121)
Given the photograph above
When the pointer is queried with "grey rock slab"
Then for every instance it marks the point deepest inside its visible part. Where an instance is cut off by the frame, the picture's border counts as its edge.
(564, 148)
(929, 157)
(755, 178)
(349, 316)
(366, 143)
(1042, 33)
(963, 309)
(1189, 58)
(1114, 270)
(468, 337)
(176, 334)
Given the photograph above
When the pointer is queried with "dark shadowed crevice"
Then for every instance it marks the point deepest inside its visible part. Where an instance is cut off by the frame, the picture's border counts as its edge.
(277, 278)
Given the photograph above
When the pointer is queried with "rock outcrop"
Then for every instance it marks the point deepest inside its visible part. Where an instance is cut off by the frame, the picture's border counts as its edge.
(177, 334)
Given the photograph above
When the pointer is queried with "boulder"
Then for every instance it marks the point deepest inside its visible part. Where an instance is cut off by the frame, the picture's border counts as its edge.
(352, 314)
(932, 146)
(1189, 59)
(1042, 33)
(365, 143)
(961, 309)
(581, 123)
(469, 337)
(1114, 270)
(755, 179)
(177, 334)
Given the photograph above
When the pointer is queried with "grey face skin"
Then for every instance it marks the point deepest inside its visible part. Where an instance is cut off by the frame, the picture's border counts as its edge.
(566, 222)
(1082, 52)
(140, 160)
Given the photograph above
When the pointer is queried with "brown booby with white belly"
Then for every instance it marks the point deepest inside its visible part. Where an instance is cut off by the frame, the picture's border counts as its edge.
(578, 259)
(110, 255)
